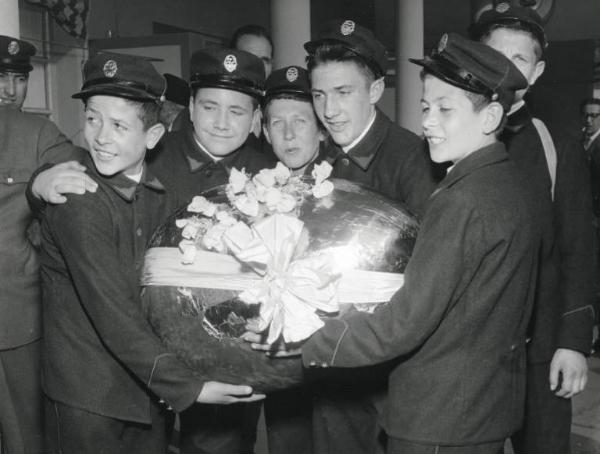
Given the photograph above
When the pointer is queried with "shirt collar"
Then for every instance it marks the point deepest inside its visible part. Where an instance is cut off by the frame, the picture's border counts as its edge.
(347, 148)
(363, 152)
(591, 139)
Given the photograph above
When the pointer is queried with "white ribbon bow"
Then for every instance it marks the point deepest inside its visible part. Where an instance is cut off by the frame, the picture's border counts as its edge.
(291, 290)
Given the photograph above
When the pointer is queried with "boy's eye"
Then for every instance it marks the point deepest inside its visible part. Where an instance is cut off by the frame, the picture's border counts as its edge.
(237, 113)
(208, 107)
(276, 124)
(91, 119)
(120, 126)
(317, 96)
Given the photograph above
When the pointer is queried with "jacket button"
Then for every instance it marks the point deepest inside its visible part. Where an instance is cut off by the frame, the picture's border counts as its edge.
(324, 364)
(513, 347)
(208, 173)
(345, 161)
(9, 180)
(138, 232)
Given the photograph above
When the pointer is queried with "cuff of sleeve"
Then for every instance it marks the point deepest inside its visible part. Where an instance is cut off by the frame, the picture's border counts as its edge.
(36, 205)
(575, 331)
(322, 347)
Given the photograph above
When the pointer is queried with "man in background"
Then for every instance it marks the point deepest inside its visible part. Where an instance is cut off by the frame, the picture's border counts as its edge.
(26, 142)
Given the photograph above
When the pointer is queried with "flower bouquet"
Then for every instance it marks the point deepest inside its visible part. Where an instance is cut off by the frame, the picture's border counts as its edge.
(272, 254)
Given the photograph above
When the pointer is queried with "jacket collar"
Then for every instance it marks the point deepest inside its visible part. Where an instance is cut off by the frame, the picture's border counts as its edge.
(518, 119)
(197, 158)
(363, 153)
(483, 157)
(125, 187)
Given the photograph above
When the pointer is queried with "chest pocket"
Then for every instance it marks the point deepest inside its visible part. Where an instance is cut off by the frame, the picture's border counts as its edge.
(15, 176)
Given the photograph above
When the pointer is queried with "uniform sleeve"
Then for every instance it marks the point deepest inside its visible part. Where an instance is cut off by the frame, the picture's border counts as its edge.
(574, 230)
(440, 267)
(82, 229)
(54, 147)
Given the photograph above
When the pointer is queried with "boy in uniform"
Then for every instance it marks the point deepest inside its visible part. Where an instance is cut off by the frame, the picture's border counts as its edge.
(456, 329)
(561, 331)
(105, 372)
(347, 65)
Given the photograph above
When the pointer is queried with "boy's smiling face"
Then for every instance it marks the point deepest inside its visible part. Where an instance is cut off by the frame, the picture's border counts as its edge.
(116, 136)
(222, 119)
(450, 123)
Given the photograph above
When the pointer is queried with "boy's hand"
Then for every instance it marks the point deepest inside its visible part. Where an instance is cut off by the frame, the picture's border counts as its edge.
(570, 367)
(276, 350)
(68, 177)
(214, 392)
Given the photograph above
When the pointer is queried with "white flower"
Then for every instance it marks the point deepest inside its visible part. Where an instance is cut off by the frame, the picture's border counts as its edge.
(201, 205)
(237, 180)
(286, 204)
(281, 173)
(188, 248)
(266, 177)
(213, 238)
(272, 198)
(321, 171)
(247, 205)
(223, 217)
(190, 229)
(181, 223)
(322, 189)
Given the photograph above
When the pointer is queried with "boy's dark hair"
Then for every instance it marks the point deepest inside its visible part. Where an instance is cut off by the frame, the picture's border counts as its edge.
(265, 109)
(333, 51)
(255, 102)
(148, 111)
(251, 29)
(519, 26)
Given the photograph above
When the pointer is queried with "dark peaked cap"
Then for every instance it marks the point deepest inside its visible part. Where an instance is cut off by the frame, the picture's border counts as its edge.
(475, 67)
(122, 76)
(291, 80)
(15, 54)
(506, 14)
(355, 38)
(231, 69)
(178, 90)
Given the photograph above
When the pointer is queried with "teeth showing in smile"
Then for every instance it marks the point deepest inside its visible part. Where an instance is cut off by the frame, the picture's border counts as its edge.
(435, 140)
(104, 155)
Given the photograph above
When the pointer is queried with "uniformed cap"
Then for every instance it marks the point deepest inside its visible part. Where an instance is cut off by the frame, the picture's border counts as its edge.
(15, 54)
(475, 67)
(355, 38)
(232, 69)
(506, 14)
(291, 80)
(178, 90)
(123, 76)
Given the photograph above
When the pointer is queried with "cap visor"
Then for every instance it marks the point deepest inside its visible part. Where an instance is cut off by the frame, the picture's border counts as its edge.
(118, 92)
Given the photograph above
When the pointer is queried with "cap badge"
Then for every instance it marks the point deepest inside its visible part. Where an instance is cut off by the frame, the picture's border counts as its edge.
(443, 43)
(230, 63)
(291, 74)
(110, 68)
(13, 48)
(347, 27)
(502, 7)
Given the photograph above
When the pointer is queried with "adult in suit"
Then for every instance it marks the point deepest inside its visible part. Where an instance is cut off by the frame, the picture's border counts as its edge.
(26, 142)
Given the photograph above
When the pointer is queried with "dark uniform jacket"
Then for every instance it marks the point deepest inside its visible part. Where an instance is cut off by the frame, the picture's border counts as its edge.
(459, 322)
(26, 142)
(563, 314)
(99, 352)
(593, 153)
(187, 171)
(389, 159)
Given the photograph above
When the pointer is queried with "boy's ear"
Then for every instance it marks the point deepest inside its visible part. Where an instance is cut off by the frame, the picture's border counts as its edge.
(256, 118)
(376, 90)
(153, 135)
(492, 117)
(266, 133)
(540, 66)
